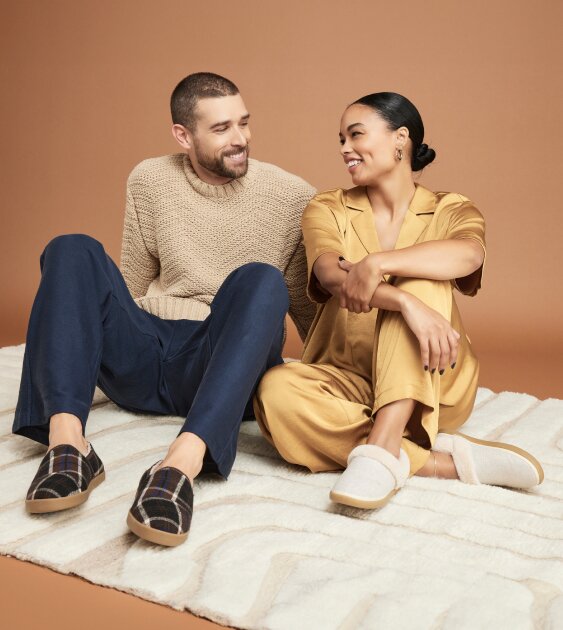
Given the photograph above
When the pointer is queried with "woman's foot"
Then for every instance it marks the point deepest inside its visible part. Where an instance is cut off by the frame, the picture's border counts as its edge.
(372, 477)
(494, 463)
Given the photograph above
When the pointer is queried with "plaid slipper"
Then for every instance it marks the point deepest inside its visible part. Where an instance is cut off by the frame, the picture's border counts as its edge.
(162, 510)
(64, 479)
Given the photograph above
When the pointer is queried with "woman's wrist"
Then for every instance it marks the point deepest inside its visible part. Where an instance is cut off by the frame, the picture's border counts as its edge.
(406, 300)
(380, 261)
(375, 262)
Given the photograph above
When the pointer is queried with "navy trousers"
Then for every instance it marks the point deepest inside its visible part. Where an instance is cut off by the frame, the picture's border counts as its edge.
(86, 330)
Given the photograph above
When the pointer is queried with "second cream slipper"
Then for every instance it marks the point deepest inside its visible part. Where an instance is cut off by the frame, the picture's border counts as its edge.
(372, 477)
(494, 463)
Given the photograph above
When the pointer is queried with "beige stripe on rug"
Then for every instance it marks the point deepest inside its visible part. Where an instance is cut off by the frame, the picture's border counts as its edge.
(267, 549)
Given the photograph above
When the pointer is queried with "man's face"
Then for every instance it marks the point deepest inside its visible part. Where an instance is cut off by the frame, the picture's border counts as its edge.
(221, 136)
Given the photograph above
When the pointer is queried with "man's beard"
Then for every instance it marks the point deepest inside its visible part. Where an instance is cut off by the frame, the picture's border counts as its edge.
(217, 165)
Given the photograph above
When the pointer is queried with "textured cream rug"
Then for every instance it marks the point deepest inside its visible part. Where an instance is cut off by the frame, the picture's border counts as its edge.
(267, 549)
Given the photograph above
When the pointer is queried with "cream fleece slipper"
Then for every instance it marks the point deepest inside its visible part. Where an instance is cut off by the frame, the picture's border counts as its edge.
(494, 463)
(372, 477)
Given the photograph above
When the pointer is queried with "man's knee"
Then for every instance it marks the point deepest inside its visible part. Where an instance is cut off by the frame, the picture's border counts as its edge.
(72, 243)
(263, 280)
(70, 248)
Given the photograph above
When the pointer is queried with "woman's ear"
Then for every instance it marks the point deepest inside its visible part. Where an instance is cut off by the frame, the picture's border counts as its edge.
(402, 137)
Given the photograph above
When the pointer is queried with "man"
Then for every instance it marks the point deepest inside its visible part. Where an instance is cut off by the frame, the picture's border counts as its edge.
(211, 262)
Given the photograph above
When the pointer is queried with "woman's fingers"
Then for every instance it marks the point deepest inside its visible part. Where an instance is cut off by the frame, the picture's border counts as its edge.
(435, 353)
(454, 346)
(425, 353)
(444, 354)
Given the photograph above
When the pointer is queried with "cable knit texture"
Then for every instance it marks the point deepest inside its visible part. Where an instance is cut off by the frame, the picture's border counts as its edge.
(182, 237)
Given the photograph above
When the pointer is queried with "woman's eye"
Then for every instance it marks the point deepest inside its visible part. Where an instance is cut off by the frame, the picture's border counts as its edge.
(354, 133)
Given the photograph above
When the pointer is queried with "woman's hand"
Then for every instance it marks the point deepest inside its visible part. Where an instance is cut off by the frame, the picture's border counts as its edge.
(439, 342)
(361, 282)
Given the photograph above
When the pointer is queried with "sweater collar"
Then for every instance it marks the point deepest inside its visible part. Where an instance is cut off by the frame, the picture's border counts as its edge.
(220, 191)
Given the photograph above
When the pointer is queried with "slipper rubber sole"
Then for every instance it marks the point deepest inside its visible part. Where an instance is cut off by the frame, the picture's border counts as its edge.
(154, 535)
(358, 502)
(509, 447)
(40, 506)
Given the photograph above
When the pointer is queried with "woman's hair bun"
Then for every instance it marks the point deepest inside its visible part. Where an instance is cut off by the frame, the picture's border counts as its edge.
(423, 156)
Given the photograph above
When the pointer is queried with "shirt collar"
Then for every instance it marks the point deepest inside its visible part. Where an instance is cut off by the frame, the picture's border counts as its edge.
(424, 201)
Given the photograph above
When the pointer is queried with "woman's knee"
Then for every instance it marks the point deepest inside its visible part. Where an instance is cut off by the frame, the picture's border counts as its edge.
(436, 294)
(272, 386)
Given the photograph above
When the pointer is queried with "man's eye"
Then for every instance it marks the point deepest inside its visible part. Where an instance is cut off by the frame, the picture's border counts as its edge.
(221, 129)
(244, 124)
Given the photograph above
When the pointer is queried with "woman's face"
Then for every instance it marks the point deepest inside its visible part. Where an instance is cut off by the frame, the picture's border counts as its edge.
(368, 146)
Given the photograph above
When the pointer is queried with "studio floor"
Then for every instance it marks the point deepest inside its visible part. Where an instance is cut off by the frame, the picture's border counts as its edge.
(36, 597)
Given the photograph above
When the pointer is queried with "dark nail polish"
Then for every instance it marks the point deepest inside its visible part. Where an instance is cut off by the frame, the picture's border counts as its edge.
(426, 368)
(341, 258)
(432, 370)
(441, 372)
(453, 365)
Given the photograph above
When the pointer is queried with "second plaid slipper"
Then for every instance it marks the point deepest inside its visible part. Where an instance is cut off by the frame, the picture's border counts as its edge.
(162, 510)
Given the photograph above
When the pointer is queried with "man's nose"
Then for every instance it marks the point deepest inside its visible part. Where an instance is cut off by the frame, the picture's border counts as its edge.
(239, 139)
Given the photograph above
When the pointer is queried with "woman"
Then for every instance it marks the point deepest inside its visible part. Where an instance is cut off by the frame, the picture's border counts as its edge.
(388, 374)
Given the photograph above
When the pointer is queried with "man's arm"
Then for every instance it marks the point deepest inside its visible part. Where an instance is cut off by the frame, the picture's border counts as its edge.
(138, 266)
(301, 309)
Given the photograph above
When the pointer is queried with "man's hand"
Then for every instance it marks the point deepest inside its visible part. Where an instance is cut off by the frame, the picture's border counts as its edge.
(439, 342)
(360, 284)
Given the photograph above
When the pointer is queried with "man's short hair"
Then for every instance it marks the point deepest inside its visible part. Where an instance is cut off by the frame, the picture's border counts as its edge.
(191, 89)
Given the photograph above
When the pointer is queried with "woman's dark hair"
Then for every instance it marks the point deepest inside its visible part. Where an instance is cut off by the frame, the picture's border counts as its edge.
(398, 111)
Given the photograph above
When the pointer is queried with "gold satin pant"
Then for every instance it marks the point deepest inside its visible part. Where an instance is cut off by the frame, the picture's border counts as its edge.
(315, 414)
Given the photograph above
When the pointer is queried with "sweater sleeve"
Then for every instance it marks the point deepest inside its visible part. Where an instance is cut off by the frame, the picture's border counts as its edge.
(138, 266)
(301, 309)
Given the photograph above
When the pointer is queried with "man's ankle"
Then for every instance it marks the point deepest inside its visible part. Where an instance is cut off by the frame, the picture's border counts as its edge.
(65, 428)
(186, 453)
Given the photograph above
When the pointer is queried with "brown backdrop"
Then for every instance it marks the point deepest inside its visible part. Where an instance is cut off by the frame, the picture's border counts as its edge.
(85, 97)
(85, 88)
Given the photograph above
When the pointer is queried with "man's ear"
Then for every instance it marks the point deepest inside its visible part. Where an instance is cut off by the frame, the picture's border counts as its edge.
(182, 136)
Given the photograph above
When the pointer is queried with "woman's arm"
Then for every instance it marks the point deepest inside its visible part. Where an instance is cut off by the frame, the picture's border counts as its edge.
(438, 341)
(331, 278)
(435, 260)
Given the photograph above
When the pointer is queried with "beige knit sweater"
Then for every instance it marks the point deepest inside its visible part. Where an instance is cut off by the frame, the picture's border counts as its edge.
(182, 237)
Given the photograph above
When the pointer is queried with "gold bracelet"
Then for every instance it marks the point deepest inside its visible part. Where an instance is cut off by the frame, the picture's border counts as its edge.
(435, 465)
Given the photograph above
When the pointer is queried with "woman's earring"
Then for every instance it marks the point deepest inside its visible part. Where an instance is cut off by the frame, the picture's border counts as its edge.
(399, 154)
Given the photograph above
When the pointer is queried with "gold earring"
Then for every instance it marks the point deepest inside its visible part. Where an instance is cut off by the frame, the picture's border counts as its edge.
(399, 154)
